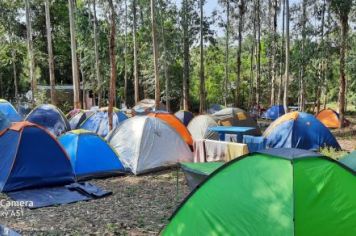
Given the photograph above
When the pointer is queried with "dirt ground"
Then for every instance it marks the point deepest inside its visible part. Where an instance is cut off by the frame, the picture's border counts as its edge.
(139, 205)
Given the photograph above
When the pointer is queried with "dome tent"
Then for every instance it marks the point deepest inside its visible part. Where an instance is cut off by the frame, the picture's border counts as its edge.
(145, 106)
(49, 117)
(331, 118)
(299, 130)
(176, 124)
(236, 117)
(198, 127)
(31, 157)
(147, 143)
(9, 111)
(214, 108)
(275, 192)
(274, 112)
(79, 118)
(90, 155)
(184, 116)
(98, 122)
(4, 122)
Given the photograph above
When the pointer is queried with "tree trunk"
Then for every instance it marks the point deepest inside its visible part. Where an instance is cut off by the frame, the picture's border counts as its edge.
(136, 81)
(251, 82)
(302, 66)
(286, 74)
(30, 50)
(155, 55)
(52, 80)
(280, 84)
(258, 53)
(97, 58)
(75, 72)
(342, 79)
(202, 78)
(14, 71)
(239, 50)
(186, 57)
(273, 51)
(125, 58)
(112, 94)
(227, 41)
(83, 81)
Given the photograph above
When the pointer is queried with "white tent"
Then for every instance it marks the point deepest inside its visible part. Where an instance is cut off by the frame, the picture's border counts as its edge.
(147, 143)
(198, 127)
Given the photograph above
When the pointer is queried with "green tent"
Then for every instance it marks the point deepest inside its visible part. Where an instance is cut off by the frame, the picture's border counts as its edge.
(274, 192)
(195, 173)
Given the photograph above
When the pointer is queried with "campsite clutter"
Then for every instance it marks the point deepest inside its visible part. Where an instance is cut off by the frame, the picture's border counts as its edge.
(45, 158)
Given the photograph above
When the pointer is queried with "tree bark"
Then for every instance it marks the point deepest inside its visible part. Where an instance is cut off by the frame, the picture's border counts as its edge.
(52, 79)
(112, 94)
(227, 41)
(186, 56)
(258, 53)
(280, 84)
(273, 51)
(136, 80)
(302, 67)
(286, 74)
(75, 72)
(14, 71)
(202, 94)
(155, 55)
(239, 50)
(125, 58)
(30, 50)
(97, 58)
(342, 79)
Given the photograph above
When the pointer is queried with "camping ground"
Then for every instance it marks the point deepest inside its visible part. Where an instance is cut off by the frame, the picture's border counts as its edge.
(139, 205)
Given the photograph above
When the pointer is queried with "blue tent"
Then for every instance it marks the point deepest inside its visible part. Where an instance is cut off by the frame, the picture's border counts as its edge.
(9, 111)
(50, 117)
(30, 158)
(299, 130)
(99, 122)
(4, 122)
(274, 112)
(90, 155)
(184, 116)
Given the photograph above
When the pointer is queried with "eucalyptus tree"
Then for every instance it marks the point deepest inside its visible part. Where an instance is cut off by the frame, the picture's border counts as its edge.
(50, 53)
(31, 59)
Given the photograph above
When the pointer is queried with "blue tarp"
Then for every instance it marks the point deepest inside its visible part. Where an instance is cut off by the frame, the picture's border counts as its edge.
(91, 156)
(44, 197)
(254, 143)
(305, 132)
(99, 122)
(30, 157)
(184, 116)
(274, 112)
(49, 117)
(9, 111)
(5, 231)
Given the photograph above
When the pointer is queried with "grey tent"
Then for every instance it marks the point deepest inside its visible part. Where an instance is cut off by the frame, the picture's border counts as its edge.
(198, 127)
(233, 116)
(147, 143)
(145, 106)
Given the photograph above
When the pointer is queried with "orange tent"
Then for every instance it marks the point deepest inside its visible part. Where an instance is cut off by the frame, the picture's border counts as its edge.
(330, 118)
(176, 124)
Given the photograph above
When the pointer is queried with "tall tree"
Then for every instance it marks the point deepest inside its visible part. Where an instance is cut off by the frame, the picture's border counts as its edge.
(75, 72)
(342, 9)
(302, 66)
(274, 16)
(155, 54)
(112, 90)
(227, 44)
(125, 56)
(286, 73)
(258, 51)
(50, 54)
(239, 50)
(30, 50)
(134, 29)
(202, 92)
(97, 57)
(186, 55)
(280, 84)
